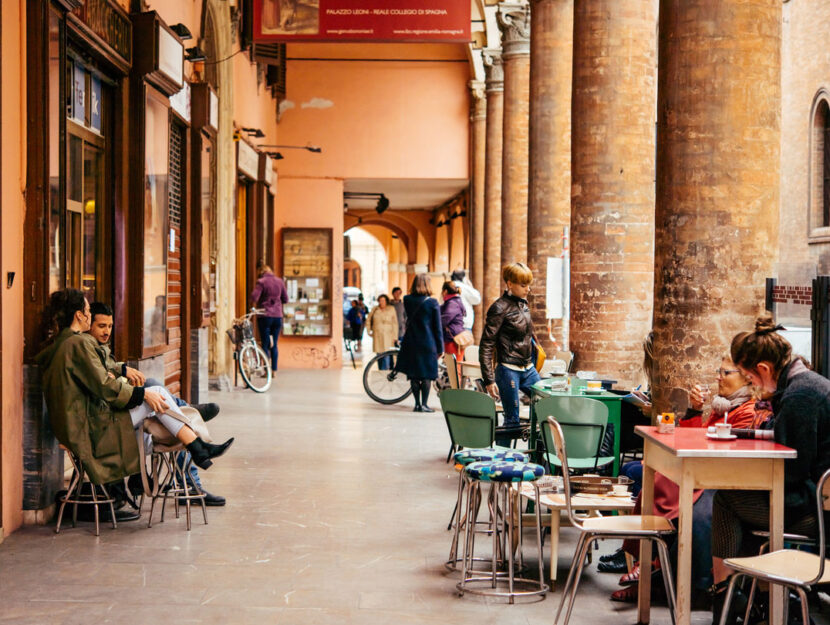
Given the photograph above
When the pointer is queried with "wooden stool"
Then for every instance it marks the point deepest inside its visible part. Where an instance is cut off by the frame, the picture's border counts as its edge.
(76, 496)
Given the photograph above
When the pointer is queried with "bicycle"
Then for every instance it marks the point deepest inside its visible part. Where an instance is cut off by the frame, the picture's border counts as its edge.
(252, 362)
(385, 386)
(388, 386)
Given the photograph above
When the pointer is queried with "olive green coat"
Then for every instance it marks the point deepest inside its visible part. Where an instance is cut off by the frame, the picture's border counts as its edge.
(86, 407)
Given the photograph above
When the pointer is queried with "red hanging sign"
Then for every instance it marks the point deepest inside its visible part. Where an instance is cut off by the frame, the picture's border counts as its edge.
(362, 20)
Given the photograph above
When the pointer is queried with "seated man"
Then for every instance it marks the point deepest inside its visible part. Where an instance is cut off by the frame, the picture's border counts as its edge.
(101, 330)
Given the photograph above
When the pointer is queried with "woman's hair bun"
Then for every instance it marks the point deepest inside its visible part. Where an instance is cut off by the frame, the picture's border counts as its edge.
(764, 323)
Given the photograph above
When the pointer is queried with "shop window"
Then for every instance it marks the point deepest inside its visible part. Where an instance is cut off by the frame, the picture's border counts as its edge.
(819, 170)
(156, 197)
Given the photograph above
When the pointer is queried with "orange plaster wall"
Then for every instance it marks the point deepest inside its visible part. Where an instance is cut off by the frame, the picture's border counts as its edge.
(313, 203)
(12, 183)
(377, 119)
(253, 106)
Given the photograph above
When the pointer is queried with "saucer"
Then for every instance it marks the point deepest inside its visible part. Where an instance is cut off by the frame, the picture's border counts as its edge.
(715, 437)
(593, 391)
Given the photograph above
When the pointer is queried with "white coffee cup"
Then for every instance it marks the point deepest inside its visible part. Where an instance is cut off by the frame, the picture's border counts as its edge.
(620, 489)
(723, 430)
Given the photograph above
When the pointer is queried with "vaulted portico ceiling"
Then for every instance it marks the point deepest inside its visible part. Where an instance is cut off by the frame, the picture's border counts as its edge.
(405, 194)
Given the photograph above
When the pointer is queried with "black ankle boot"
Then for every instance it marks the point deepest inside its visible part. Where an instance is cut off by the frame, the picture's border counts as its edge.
(202, 452)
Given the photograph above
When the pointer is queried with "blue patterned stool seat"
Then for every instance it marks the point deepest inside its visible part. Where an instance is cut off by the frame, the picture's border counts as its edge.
(489, 454)
(500, 471)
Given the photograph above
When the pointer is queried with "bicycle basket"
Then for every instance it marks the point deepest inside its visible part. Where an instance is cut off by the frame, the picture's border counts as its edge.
(247, 329)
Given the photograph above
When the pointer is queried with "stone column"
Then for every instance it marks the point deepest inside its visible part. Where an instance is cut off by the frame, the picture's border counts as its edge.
(494, 88)
(478, 134)
(514, 23)
(717, 183)
(549, 192)
(612, 186)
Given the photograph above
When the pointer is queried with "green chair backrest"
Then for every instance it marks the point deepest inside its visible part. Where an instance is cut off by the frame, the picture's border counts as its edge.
(583, 421)
(470, 417)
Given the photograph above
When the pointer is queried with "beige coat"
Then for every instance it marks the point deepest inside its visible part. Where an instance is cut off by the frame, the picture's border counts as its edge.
(382, 325)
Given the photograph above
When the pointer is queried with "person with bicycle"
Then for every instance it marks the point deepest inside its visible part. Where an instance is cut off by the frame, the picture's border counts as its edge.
(423, 341)
(270, 294)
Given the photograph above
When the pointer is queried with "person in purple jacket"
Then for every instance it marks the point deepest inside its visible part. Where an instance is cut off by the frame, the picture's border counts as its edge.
(452, 317)
(270, 294)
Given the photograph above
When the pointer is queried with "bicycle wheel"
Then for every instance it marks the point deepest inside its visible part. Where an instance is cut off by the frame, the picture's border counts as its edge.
(254, 367)
(385, 386)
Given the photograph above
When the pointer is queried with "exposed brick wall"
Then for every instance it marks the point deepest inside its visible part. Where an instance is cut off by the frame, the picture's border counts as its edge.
(612, 219)
(491, 289)
(718, 150)
(549, 199)
(802, 295)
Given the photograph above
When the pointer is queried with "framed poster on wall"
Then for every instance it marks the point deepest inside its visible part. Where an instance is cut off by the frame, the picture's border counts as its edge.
(307, 271)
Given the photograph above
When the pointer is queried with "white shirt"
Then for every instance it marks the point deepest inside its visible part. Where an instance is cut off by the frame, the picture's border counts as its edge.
(469, 297)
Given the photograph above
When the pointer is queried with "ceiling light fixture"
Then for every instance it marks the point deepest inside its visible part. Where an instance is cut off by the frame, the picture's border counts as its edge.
(380, 207)
(275, 155)
(254, 132)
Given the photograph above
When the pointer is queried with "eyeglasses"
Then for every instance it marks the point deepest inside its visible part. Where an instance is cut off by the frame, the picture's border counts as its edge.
(725, 372)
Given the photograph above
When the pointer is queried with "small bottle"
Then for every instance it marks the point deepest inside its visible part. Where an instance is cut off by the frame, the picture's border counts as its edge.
(766, 435)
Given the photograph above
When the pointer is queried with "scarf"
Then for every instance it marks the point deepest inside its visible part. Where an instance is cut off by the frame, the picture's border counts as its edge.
(721, 404)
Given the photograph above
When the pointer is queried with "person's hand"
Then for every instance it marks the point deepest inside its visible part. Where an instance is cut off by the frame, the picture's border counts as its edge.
(110, 375)
(135, 377)
(155, 401)
(697, 395)
(646, 409)
(493, 390)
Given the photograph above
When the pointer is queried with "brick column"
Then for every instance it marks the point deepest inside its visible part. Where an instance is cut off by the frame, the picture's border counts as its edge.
(718, 182)
(478, 134)
(514, 23)
(494, 88)
(549, 193)
(612, 219)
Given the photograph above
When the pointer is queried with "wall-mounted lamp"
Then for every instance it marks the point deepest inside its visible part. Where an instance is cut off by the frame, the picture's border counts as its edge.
(310, 148)
(182, 31)
(275, 155)
(194, 54)
(255, 133)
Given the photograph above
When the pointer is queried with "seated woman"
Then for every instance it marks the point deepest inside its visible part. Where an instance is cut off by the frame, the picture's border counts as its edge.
(738, 402)
(801, 420)
(94, 414)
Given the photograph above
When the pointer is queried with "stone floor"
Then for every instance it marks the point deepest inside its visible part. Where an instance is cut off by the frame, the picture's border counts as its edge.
(337, 512)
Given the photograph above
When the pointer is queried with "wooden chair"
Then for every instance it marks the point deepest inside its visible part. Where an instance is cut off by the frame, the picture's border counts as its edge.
(796, 570)
(452, 370)
(636, 527)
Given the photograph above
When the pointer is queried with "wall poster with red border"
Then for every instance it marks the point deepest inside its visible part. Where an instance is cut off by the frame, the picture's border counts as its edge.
(362, 20)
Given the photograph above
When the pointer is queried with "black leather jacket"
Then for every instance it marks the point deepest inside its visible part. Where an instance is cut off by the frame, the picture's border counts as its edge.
(507, 336)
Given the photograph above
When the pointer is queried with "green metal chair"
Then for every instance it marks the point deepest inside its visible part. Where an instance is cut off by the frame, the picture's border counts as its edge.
(583, 421)
(470, 417)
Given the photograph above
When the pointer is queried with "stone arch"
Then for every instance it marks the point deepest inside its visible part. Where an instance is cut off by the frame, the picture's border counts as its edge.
(818, 187)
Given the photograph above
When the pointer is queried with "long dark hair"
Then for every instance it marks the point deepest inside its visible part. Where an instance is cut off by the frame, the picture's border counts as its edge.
(61, 311)
(763, 345)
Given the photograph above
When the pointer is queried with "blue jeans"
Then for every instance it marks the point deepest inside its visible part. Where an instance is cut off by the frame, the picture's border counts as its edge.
(269, 332)
(634, 471)
(385, 363)
(510, 382)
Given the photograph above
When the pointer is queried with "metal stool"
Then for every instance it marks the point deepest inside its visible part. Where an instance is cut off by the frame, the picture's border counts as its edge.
(76, 496)
(463, 458)
(170, 480)
(502, 475)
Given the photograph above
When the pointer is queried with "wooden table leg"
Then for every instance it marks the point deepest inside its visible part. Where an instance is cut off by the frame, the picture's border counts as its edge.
(684, 550)
(776, 536)
(647, 501)
(555, 524)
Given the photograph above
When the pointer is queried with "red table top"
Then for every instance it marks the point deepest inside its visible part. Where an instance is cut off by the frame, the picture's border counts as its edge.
(693, 443)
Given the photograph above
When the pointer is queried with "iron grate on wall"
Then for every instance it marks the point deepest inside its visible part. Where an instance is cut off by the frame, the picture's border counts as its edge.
(176, 174)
